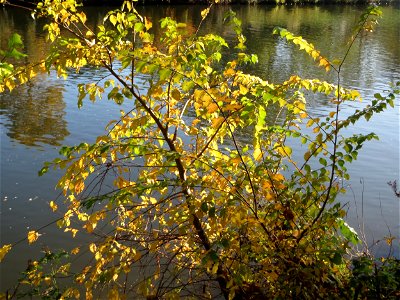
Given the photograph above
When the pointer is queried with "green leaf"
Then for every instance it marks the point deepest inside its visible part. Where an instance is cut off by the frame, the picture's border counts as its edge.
(337, 258)
(113, 19)
(368, 116)
(322, 161)
(204, 207)
(348, 158)
(15, 41)
(14, 53)
(211, 212)
(126, 62)
(112, 93)
(187, 86)
(127, 93)
(164, 74)
(118, 98)
(348, 148)
(43, 171)
(213, 256)
(348, 232)
(261, 118)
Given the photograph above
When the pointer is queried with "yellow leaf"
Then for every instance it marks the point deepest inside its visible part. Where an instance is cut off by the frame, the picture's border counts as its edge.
(92, 247)
(71, 292)
(217, 122)
(389, 240)
(147, 23)
(90, 226)
(205, 12)
(53, 206)
(113, 156)
(243, 90)
(31, 73)
(79, 186)
(75, 251)
(355, 94)
(202, 98)
(266, 184)
(213, 107)
(97, 255)
(229, 72)
(303, 115)
(113, 19)
(214, 268)
(284, 150)
(47, 280)
(208, 69)
(195, 122)
(10, 84)
(82, 17)
(80, 163)
(257, 154)
(324, 63)
(32, 236)
(4, 250)
(232, 107)
(278, 177)
(120, 182)
(315, 54)
(73, 231)
(235, 161)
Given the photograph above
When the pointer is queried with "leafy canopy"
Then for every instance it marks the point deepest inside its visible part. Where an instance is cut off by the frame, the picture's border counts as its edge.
(195, 190)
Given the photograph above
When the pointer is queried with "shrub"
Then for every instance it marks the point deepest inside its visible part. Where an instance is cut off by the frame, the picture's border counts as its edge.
(194, 209)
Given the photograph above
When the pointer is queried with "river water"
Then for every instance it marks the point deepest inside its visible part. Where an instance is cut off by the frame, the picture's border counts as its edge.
(39, 117)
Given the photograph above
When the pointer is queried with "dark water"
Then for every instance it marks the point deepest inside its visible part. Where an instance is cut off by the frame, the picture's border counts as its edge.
(39, 117)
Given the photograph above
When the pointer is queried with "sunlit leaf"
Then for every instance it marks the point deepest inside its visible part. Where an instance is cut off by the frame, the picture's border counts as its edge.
(4, 250)
(53, 206)
(33, 236)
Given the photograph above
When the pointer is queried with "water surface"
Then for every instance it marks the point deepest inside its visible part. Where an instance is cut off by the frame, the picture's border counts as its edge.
(42, 115)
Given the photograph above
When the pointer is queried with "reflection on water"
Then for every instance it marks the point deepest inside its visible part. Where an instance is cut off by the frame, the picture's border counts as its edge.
(35, 113)
(43, 114)
(32, 114)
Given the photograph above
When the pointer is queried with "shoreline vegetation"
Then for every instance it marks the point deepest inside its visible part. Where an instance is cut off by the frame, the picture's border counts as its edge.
(221, 2)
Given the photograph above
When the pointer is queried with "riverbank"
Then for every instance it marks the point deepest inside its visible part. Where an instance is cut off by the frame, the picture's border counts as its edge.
(222, 2)
(273, 2)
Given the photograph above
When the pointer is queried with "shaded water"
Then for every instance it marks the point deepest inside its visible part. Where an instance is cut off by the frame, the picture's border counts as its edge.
(39, 117)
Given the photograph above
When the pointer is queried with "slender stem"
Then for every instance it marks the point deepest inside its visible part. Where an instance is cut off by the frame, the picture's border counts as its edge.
(336, 132)
(221, 274)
